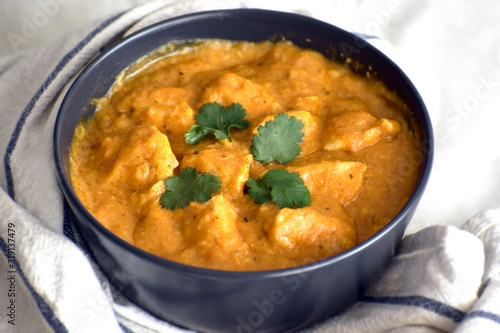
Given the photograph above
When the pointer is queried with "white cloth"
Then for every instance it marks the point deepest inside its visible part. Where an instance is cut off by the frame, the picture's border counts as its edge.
(442, 279)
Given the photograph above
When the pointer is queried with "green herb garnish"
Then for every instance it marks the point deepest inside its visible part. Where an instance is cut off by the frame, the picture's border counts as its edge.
(285, 189)
(188, 186)
(278, 140)
(214, 118)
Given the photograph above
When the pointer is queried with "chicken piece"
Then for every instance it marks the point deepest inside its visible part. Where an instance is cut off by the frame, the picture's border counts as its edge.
(311, 104)
(352, 131)
(313, 232)
(158, 233)
(145, 159)
(223, 159)
(300, 78)
(340, 180)
(232, 88)
(212, 235)
(166, 108)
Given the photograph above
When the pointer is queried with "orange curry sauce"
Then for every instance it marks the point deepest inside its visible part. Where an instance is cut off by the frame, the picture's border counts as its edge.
(356, 157)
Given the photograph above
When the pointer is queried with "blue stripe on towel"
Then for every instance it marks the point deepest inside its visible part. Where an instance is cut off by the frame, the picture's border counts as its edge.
(421, 302)
(31, 104)
(45, 310)
(125, 329)
(433, 306)
(485, 315)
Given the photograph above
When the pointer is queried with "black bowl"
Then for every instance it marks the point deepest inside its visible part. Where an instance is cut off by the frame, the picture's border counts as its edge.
(222, 301)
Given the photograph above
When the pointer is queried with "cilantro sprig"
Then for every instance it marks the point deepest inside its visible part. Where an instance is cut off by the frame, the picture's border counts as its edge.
(214, 118)
(278, 140)
(188, 186)
(285, 189)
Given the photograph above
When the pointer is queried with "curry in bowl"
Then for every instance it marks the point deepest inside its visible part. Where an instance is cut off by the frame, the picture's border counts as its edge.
(245, 156)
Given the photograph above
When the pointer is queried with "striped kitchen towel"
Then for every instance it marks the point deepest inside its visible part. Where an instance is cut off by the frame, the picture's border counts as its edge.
(441, 279)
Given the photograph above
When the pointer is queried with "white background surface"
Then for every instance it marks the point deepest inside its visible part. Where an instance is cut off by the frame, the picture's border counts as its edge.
(449, 49)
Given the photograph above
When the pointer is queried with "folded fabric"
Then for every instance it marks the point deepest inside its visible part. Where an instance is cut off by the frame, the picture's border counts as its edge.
(441, 279)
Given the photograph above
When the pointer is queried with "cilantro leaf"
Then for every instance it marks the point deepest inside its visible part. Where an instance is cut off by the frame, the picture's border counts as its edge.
(214, 118)
(188, 186)
(195, 134)
(285, 189)
(278, 140)
(258, 191)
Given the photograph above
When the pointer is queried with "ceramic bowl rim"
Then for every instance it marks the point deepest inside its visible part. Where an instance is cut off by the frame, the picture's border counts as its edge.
(206, 273)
